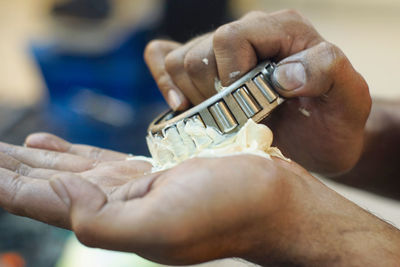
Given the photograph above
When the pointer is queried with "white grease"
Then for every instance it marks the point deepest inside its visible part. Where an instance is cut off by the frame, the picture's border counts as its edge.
(218, 85)
(192, 139)
(305, 112)
(234, 74)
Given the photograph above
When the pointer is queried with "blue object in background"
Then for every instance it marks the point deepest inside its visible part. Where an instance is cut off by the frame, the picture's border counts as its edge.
(104, 100)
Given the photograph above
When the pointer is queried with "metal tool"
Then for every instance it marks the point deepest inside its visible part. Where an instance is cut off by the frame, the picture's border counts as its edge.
(252, 96)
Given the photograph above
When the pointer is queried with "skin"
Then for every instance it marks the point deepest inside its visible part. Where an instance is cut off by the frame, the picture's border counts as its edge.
(330, 141)
(270, 212)
(378, 168)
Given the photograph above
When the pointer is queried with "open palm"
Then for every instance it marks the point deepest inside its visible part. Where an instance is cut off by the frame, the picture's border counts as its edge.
(118, 204)
(26, 174)
(203, 209)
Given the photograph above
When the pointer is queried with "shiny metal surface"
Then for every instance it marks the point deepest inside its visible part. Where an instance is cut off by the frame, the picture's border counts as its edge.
(265, 88)
(224, 118)
(246, 101)
(251, 96)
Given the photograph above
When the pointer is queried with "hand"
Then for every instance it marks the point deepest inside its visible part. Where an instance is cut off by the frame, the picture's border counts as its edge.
(320, 126)
(26, 174)
(265, 211)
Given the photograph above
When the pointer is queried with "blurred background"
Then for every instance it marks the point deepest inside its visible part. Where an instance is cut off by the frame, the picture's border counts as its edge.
(75, 68)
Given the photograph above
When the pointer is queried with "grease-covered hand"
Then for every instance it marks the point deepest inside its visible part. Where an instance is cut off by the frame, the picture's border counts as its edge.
(320, 126)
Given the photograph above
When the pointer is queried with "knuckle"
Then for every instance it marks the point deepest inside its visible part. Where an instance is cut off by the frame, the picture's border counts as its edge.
(227, 34)
(192, 64)
(174, 63)
(293, 21)
(338, 60)
(164, 83)
(254, 15)
(293, 13)
(152, 47)
(332, 50)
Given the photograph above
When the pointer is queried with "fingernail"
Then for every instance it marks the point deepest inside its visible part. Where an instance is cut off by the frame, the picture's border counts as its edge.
(290, 76)
(174, 100)
(59, 188)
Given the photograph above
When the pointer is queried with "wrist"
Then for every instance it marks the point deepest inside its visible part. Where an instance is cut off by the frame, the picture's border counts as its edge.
(316, 226)
(271, 240)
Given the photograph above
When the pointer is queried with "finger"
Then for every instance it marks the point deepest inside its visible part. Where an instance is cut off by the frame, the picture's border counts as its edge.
(31, 198)
(107, 174)
(239, 45)
(96, 221)
(111, 174)
(9, 163)
(135, 188)
(155, 54)
(175, 66)
(46, 159)
(200, 64)
(51, 142)
(321, 71)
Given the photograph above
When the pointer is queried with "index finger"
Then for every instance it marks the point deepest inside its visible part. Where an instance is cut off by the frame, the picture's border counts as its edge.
(51, 142)
(154, 55)
(46, 159)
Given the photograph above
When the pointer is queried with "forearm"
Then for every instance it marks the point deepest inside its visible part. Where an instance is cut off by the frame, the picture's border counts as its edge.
(345, 243)
(352, 247)
(379, 166)
(322, 228)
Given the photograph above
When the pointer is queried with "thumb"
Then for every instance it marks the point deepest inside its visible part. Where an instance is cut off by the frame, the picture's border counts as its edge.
(320, 71)
(96, 222)
(84, 201)
(78, 194)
